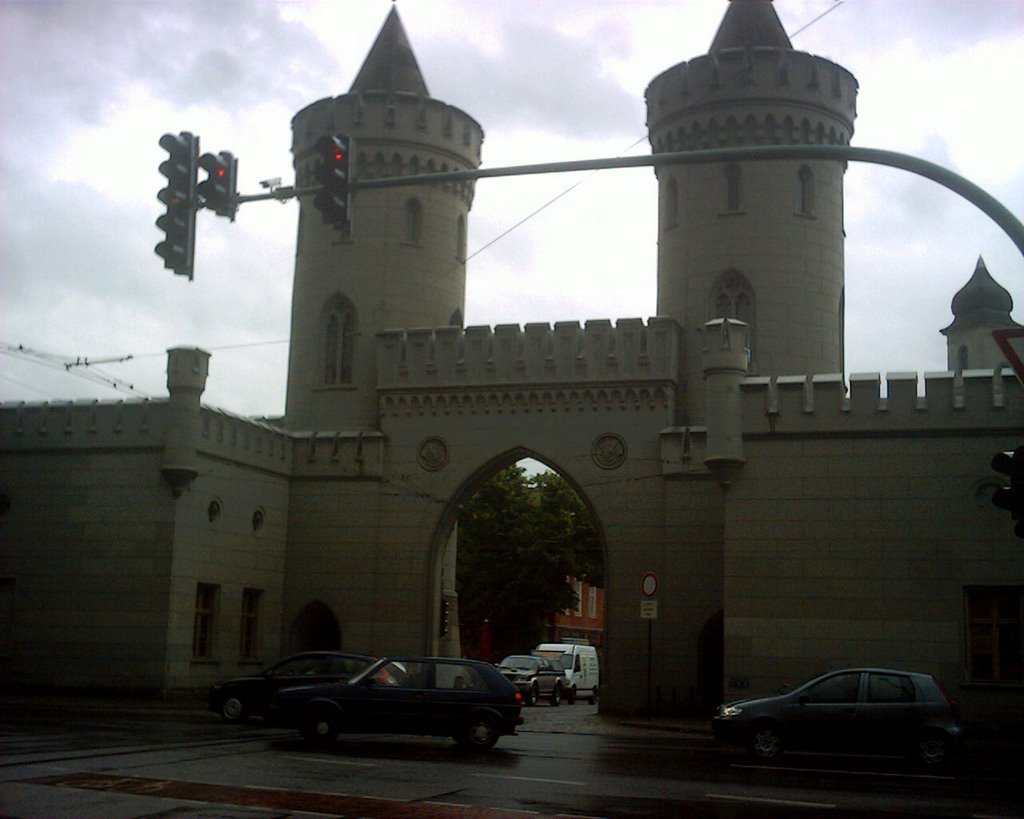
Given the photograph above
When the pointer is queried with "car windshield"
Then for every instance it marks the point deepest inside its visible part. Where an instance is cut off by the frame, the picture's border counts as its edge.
(520, 663)
(559, 659)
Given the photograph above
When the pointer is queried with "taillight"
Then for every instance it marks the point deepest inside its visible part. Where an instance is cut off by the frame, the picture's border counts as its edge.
(519, 698)
(954, 707)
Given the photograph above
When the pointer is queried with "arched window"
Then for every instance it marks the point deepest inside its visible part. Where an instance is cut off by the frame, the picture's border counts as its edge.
(456, 319)
(732, 297)
(805, 191)
(413, 222)
(338, 340)
(733, 187)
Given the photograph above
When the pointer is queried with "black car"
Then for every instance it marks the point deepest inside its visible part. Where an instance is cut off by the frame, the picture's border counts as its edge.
(535, 677)
(467, 700)
(854, 710)
(243, 697)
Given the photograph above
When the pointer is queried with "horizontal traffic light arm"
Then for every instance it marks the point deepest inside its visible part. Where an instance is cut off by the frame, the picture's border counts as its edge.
(980, 198)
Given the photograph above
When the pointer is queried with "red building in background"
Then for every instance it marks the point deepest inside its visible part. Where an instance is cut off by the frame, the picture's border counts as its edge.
(585, 623)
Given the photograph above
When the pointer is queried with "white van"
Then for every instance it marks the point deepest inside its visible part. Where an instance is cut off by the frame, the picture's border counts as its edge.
(582, 673)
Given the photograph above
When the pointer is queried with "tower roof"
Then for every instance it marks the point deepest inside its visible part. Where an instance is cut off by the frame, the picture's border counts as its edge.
(981, 302)
(390, 66)
(750, 23)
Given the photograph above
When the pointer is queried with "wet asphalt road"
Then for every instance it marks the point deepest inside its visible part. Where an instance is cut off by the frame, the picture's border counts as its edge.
(114, 759)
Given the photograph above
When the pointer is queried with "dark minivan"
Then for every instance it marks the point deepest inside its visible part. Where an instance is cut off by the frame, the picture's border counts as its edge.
(853, 710)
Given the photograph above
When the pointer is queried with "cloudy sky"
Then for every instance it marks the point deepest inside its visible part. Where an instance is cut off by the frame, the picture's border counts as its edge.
(89, 86)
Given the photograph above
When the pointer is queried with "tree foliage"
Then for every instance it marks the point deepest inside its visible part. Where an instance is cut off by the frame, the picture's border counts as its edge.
(520, 539)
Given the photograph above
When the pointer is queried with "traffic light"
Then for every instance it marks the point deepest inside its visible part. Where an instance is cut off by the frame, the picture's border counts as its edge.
(1011, 497)
(179, 222)
(333, 171)
(220, 188)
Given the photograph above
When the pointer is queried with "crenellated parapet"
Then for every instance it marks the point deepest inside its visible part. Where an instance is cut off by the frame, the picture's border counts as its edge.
(539, 353)
(82, 424)
(396, 133)
(247, 441)
(751, 96)
(821, 404)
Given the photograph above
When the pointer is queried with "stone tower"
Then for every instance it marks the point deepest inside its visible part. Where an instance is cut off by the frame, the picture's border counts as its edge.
(979, 307)
(402, 261)
(757, 241)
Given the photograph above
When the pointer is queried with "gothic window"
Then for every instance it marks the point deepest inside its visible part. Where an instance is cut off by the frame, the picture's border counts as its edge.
(733, 297)
(456, 319)
(413, 226)
(339, 334)
(733, 187)
(805, 192)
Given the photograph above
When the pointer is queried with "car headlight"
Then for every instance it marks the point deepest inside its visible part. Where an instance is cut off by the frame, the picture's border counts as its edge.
(730, 711)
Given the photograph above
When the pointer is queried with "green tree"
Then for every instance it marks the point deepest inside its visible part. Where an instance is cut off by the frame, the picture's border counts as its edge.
(520, 538)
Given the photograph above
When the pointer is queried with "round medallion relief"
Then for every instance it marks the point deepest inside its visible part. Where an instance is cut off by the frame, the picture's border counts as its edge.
(433, 454)
(608, 450)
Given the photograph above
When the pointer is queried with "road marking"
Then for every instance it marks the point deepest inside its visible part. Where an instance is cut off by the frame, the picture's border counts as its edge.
(793, 803)
(531, 779)
(319, 759)
(844, 772)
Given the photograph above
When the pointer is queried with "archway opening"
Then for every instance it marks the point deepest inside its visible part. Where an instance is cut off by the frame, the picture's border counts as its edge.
(315, 628)
(527, 561)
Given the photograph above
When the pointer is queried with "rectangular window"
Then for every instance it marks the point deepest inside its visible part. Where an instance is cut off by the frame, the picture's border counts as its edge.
(202, 629)
(592, 603)
(994, 633)
(248, 648)
(577, 588)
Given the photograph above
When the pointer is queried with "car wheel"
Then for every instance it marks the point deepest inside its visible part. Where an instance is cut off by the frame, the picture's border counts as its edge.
(556, 695)
(570, 695)
(478, 734)
(531, 695)
(320, 727)
(766, 741)
(593, 695)
(232, 709)
(931, 750)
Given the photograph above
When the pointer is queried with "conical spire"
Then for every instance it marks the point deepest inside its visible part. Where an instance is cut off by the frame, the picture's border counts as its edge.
(750, 23)
(390, 66)
(981, 302)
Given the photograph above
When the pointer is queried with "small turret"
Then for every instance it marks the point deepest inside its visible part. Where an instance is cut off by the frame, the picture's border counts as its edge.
(187, 369)
(979, 307)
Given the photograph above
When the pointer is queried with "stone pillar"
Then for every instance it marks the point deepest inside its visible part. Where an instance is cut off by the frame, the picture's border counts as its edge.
(187, 369)
(724, 360)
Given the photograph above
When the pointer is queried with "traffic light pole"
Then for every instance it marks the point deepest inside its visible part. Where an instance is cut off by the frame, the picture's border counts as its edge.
(978, 197)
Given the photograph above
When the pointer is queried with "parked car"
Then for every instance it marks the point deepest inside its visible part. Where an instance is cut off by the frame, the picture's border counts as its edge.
(535, 677)
(467, 700)
(243, 697)
(855, 710)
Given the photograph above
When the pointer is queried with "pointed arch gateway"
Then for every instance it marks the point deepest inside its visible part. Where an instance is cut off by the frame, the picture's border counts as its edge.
(444, 546)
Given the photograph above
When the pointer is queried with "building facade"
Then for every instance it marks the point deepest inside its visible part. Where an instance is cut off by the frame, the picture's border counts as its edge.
(796, 520)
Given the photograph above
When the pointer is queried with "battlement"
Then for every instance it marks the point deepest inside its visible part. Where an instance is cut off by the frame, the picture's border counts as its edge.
(536, 353)
(75, 424)
(404, 122)
(821, 403)
(245, 440)
(787, 97)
